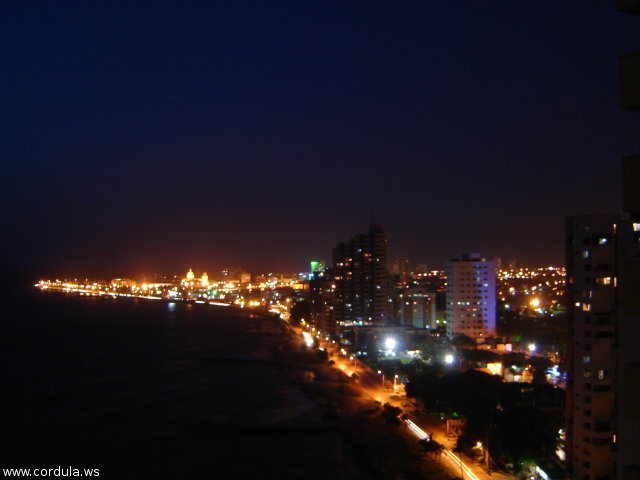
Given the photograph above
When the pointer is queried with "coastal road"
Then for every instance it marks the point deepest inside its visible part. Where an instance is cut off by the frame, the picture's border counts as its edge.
(371, 384)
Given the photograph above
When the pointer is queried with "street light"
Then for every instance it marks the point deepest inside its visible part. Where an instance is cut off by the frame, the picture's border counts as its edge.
(395, 382)
(390, 343)
(448, 359)
(380, 372)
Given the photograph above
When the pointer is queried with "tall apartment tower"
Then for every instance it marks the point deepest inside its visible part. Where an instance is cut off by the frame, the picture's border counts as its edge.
(417, 307)
(471, 297)
(361, 280)
(603, 348)
(321, 291)
(592, 258)
(628, 395)
(628, 342)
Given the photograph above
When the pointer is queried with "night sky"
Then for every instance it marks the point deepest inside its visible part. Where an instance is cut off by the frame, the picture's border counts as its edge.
(156, 136)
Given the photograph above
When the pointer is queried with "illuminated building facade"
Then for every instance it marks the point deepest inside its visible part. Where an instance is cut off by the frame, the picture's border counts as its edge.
(360, 277)
(401, 271)
(316, 266)
(417, 308)
(190, 281)
(321, 293)
(471, 297)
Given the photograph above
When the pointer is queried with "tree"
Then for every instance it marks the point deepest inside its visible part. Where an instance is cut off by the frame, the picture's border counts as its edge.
(300, 310)
(463, 341)
(523, 434)
(540, 366)
(432, 447)
(391, 414)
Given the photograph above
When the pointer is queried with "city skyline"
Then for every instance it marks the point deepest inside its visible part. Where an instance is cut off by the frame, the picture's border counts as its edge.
(213, 135)
(385, 239)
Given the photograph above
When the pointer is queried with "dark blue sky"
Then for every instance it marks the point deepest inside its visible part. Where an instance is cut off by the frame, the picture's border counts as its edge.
(153, 136)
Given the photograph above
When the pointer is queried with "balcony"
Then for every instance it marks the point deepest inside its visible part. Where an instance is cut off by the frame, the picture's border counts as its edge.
(601, 388)
(602, 428)
(601, 441)
(602, 301)
(629, 6)
(629, 75)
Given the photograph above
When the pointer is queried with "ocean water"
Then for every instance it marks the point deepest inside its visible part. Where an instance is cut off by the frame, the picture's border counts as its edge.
(149, 389)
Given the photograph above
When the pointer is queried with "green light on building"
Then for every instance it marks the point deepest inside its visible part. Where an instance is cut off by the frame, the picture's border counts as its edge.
(316, 266)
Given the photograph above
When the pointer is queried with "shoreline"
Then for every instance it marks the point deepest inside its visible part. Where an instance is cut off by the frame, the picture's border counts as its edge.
(383, 451)
(123, 296)
(367, 447)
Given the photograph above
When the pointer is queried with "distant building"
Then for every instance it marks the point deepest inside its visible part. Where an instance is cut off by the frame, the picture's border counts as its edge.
(190, 281)
(417, 307)
(316, 266)
(122, 283)
(360, 277)
(401, 271)
(471, 297)
(321, 293)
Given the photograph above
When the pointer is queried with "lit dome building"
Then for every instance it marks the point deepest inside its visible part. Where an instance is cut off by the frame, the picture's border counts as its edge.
(190, 280)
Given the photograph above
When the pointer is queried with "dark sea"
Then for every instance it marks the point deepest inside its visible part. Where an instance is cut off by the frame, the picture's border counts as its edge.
(149, 389)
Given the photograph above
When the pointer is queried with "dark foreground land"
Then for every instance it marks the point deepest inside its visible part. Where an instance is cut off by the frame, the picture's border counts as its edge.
(381, 449)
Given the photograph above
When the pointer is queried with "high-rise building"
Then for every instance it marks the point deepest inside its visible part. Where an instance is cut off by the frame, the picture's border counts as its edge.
(628, 341)
(603, 350)
(417, 307)
(401, 271)
(603, 298)
(471, 297)
(592, 256)
(360, 277)
(321, 290)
